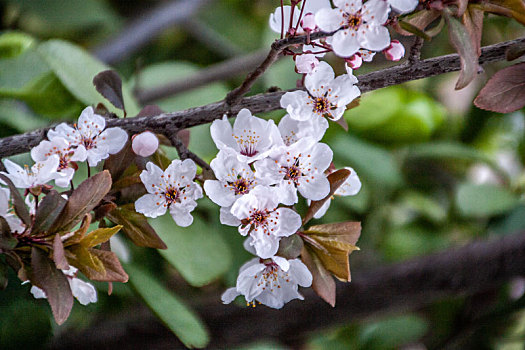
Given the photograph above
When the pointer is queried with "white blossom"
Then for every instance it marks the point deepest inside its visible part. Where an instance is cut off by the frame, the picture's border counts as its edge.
(251, 138)
(84, 292)
(145, 144)
(171, 189)
(293, 130)
(235, 178)
(306, 63)
(362, 25)
(272, 282)
(15, 224)
(90, 133)
(258, 215)
(66, 154)
(39, 174)
(403, 6)
(325, 95)
(350, 187)
(311, 7)
(298, 167)
(395, 51)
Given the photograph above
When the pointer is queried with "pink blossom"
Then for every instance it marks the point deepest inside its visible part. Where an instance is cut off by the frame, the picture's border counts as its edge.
(395, 51)
(306, 63)
(145, 144)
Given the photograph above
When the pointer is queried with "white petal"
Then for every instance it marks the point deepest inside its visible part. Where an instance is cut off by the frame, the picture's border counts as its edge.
(270, 300)
(329, 20)
(289, 222)
(38, 293)
(112, 140)
(403, 6)
(376, 11)
(300, 272)
(276, 19)
(229, 295)
(344, 89)
(296, 104)
(287, 192)
(351, 186)
(83, 291)
(218, 193)
(151, 205)
(321, 77)
(345, 43)
(90, 123)
(221, 133)
(313, 6)
(227, 218)
(374, 37)
(151, 177)
(282, 262)
(321, 156)
(324, 208)
(64, 177)
(265, 246)
(350, 6)
(64, 131)
(316, 188)
(181, 215)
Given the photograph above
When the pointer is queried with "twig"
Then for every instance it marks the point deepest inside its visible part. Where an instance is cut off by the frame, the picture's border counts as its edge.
(267, 102)
(141, 31)
(415, 50)
(217, 72)
(473, 268)
(185, 153)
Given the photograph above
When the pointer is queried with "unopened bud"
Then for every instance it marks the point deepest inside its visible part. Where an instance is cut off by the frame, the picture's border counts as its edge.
(355, 61)
(306, 63)
(145, 144)
(395, 51)
(308, 22)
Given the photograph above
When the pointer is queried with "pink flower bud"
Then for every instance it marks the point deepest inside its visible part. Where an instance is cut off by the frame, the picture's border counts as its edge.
(306, 63)
(145, 144)
(308, 22)
(395, 51)
(355, 61)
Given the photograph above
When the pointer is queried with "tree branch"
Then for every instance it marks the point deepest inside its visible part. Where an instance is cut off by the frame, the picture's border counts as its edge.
(185, 153)
(140, 32)
(473, 268)
(269, 101)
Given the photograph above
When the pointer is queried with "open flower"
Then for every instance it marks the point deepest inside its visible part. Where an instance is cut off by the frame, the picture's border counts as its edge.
(171, 189)
(325, 96)
(234, 179)
(299, 167)
(350, 187)
(84, 292)
(310, 7)
(66, 154)
(306, 63)
(293, 130)
(90, 133)
(258, 215)
(362, 25)
(39, 174)
(272, 282)
(251, 138)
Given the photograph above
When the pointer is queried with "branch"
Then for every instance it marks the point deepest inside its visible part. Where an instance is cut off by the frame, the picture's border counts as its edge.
(269, 101)
(185, 153)
(475, 267)
(141, 31)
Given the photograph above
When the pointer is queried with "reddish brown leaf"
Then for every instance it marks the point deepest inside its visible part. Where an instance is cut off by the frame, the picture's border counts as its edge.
(462, 42)
(83, 200)
(473, 21)
(48, 211)
(336, 179)
(323, 283)
(59, 255)
(114, 271)
(18, 202)
(348, 232)
(117, 163)
(342, 122)
(53, 282)
(99, 236)
(418, 21)
(109, 85)
(505, 91)
(136, 227)
(184, 136)
(510, 8)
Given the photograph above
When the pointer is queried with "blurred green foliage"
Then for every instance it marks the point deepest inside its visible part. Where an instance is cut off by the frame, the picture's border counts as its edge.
(436, 171)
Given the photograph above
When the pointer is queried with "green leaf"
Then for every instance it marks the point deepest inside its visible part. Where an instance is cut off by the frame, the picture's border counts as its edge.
(76, 69)
(13, 44)
(136, 227)
(484, 200)
(83, 199)
(403, 242)
(99, 236)
(178, 317)
(198, 252)
(371, 162)
(53, 282)
(48, 211)
(394, 332)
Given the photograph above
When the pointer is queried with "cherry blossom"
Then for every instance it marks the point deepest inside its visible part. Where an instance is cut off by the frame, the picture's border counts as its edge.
(258, 215)
(171, 189)
(84, 292)
(325, 95)
(293, 130)
(67, 155)
(15, 224)
(350, 187)
(306, 63)
(299, 166)
(403, 6)
(251, 138)
(90, 133)
(272, 282)
(311, 7)
(362, 25)
(145, 144)
(234, 179)
(395, 51)
(39, 174)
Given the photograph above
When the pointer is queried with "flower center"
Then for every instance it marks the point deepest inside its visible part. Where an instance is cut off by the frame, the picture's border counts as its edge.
(293, 173)
(88, 142)
(241, 186)
(63, 163)
(354, 21)
(248, 143)
(321, 105)
(172, 195)
(259, 217)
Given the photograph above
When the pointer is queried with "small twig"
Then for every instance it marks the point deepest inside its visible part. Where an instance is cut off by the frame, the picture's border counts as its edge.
(185, 153)
(415, 50)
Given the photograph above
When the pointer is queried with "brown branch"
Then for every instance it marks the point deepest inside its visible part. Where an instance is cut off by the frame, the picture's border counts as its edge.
(217, 72)
(473, 268)
(185, 153)
(269, 101)
(415, 50)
